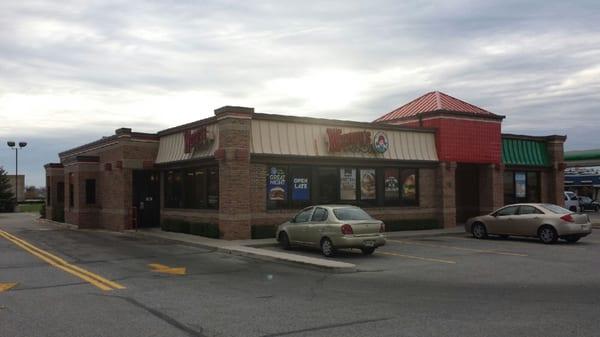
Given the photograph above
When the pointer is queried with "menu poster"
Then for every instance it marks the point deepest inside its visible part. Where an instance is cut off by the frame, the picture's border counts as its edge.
(348, 184)
(277, 187)
(367, 184)
(300, 189)
(409, 188)
(520, 184)
(392, 186)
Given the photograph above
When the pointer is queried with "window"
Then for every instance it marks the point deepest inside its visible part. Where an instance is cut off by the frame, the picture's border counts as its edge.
(523, 210)
(300, 186)
(509, 187)
(320, 214)
(510, 210)
(521, 187)
(328, 185)
(60, 193)
(193, 188)
(90, 191)
(303, 216)
(351, 213)
(533, 187)
(556, 209)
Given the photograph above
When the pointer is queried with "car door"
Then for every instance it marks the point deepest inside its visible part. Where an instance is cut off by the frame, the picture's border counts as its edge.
(317, 225)
(501, 220)
(527, 220)
(298, 229)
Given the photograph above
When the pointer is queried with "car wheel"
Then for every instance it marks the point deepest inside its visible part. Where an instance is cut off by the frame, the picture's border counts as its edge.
(597, 208)
(368, 250)
(572, 239)
(284, 240)
(479, 231)
(327, 247)
(547, 234)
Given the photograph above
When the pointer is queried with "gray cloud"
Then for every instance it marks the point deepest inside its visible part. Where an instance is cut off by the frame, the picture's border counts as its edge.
(75, 70)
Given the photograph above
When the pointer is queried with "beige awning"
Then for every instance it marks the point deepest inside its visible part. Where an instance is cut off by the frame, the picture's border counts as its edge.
(301, 139)
(172, 147)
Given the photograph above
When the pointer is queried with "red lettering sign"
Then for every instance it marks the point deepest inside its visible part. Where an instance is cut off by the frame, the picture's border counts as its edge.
(357, 141)
(194, 138)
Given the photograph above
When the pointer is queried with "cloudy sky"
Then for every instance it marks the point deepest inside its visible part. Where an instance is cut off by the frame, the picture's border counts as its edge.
(73, 71)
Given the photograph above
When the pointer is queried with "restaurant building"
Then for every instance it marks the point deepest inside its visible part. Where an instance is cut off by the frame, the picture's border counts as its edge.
(431, 163)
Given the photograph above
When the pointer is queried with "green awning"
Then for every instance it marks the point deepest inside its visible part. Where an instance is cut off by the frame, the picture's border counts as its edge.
(524, 152)
(582, 155)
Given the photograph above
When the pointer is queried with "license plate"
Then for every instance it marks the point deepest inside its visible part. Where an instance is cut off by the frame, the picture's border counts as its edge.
(369, 243)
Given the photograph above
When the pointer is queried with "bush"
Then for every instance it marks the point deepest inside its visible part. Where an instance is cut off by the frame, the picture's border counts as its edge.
(409, 225)
(263, 231)
(195, 228)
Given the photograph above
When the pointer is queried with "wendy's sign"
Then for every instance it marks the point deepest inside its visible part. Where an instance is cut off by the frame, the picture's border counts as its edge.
(196, 138)
(356, 141)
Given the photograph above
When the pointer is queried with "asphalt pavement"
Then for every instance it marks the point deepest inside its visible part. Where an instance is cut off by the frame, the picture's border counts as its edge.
(431, 286)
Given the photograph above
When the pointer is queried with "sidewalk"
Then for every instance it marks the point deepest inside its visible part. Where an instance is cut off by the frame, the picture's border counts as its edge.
(251, 248)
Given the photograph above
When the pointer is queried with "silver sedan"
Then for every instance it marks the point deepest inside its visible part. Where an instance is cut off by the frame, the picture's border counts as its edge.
(548, 222)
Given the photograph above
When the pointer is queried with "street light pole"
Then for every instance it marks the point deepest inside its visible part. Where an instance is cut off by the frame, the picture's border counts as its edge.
(13, 146)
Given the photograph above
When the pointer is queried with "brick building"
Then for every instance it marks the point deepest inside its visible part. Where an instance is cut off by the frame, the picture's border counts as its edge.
(434, 161)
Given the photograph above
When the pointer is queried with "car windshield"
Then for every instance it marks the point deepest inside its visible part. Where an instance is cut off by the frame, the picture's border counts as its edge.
(351, 213)
(556, 209)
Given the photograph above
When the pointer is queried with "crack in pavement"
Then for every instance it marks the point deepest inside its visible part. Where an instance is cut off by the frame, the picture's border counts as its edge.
(162, 316)
(325, 327)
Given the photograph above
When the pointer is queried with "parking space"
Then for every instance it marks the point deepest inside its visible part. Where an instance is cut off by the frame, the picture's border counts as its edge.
(465, 252)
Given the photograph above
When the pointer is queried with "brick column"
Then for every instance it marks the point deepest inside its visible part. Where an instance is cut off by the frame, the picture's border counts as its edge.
(234, 171)
(491, 187)
(446, 194)
(54, 207)
(556, 175)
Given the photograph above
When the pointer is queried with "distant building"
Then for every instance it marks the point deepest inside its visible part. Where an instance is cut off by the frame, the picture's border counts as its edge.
(582, 175)
(21, 185)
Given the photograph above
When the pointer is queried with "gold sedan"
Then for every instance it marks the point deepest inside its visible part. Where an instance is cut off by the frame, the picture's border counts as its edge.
(330, 227)
(548, 222)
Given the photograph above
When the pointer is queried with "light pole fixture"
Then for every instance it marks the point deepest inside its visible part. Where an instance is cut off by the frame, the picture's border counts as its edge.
(13, 146)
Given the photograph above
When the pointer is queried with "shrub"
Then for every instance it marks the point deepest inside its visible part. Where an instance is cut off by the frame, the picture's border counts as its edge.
(409, 225)
(195, 228)
(263, 231)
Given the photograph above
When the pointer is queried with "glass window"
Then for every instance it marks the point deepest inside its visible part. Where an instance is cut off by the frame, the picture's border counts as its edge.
(533, 187)
(510, 210)
(391, 184)
(368, 184)
(189, 192)
(408, 177)
(509, 187)
(90, 191)
(348, 184)
(351, 213)
(277, 192)
(300, 179)
(328, 185)
(320, 214)
(304, 216)
(528, 210)
(213, 187)
(556, 209)
(60, 193)
(173, 189)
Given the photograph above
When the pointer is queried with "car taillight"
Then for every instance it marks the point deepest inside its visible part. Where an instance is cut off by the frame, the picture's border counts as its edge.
(382, 228)
(347, 229)
(567, 218)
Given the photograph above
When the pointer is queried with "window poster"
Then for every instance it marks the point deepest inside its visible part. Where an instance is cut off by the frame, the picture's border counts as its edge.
(392, 185)
(276, 187)
(348, 184)
(520, 184)
(300, 190)
(367, 184)
(409, 186)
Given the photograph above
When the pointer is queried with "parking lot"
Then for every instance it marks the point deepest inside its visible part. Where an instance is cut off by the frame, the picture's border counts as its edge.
(462, 252)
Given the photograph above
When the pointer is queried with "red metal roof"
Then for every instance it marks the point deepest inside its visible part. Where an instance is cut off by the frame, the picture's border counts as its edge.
(434, 101)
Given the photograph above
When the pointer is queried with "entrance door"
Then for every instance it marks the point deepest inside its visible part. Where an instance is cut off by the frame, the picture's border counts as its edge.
(467, 192)
(146, 197)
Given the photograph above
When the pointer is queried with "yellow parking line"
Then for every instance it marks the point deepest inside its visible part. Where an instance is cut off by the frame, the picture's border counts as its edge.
(489, 251)
(59, 263)
(416, 257)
